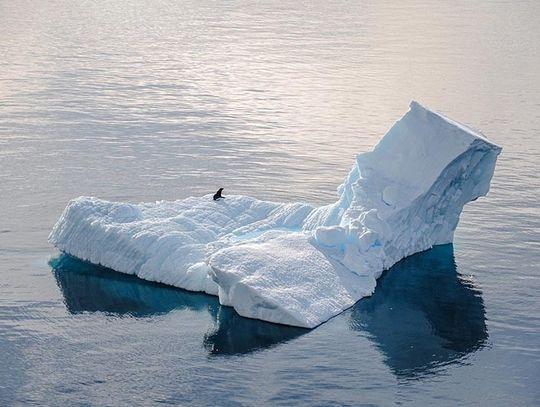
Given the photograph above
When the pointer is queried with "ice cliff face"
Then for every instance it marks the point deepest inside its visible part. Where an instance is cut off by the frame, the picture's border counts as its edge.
(407, 194)
(293, 263)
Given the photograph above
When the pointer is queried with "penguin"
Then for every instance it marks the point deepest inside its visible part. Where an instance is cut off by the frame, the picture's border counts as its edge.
(217, 195)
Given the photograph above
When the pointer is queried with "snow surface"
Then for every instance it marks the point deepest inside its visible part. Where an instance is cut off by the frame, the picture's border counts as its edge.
(292, 263)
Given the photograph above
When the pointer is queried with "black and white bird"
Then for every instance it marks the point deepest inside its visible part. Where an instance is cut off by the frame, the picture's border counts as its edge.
(217, 195)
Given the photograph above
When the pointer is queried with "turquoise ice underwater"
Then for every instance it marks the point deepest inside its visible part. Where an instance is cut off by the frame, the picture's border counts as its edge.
(134, 102)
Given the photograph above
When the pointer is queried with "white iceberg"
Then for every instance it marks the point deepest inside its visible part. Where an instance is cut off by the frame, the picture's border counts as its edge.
(293, 263)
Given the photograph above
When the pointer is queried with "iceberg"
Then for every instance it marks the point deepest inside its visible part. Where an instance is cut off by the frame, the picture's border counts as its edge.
(294, 263)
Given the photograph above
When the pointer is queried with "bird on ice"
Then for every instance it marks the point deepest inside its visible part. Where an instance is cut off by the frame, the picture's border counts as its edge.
(217, 195)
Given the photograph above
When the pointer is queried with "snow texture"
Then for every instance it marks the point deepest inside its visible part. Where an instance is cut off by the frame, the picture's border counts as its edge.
(292, 263)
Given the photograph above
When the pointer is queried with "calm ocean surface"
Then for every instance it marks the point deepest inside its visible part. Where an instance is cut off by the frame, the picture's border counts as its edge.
(141, 101)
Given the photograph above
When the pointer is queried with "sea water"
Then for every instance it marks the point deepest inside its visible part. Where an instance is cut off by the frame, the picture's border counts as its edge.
(143, 101)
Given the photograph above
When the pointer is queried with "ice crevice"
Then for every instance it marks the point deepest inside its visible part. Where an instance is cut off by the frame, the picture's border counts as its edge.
(294, 263)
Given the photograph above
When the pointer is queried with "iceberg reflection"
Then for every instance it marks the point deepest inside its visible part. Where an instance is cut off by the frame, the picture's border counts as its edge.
(423, 314)
(234, 334)
(90, 288)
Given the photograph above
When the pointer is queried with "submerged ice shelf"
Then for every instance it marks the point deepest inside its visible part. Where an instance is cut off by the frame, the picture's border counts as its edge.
(293, 263)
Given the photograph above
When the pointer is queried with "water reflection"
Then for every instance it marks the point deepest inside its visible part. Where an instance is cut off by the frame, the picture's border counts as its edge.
(234, 334)
(90, 288)
(423, 314)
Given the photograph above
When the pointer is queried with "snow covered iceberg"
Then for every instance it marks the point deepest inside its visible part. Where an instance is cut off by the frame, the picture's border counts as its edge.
(293, 263)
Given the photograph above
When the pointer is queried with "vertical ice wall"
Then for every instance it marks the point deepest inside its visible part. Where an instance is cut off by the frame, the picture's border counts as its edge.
(407, 194)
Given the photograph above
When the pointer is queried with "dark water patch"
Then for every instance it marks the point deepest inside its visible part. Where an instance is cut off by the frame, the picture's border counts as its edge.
(234, 334)
(423, 314)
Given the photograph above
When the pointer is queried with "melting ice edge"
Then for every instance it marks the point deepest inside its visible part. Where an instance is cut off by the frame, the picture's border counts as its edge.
(293, 263)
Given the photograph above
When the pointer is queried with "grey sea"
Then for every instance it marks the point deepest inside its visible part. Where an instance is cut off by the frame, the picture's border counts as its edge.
(150, 100)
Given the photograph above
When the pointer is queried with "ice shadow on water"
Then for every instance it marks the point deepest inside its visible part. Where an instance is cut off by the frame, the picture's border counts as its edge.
(234, 334)
(423, 315)
(90, 288)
